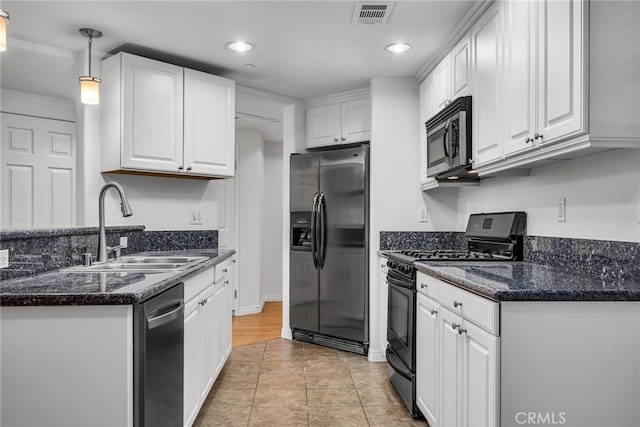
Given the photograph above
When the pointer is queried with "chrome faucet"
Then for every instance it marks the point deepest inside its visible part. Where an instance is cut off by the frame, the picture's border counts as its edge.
(103, 249)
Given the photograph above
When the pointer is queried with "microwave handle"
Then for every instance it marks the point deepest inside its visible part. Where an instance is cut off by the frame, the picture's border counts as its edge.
(444, 141)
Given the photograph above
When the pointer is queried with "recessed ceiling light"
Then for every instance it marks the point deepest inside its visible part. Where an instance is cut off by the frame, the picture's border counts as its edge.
(397, 47)
(238, 46)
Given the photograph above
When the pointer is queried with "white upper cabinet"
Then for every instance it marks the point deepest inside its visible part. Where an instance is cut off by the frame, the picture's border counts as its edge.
(561, 50)
(209, 124)
(461, 68)
(544, 73)
(486, 60)
(339, 119)
(162, 118)
(442, 83)
(152, 113)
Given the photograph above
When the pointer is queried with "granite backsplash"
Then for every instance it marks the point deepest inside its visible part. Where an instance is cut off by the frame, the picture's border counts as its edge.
(38, 251)
(606, 258)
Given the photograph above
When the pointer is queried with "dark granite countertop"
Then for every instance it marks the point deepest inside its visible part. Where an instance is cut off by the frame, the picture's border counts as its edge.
(522, 281)
(71, 288)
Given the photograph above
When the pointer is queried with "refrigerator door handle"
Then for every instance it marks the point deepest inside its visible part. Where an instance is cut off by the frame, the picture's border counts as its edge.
(314, 236)
(322, 247)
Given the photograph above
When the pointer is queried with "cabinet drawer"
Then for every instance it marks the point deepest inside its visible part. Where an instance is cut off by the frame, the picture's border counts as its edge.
(477, 309)
(221, 270)
(196, 284)
(427, 285)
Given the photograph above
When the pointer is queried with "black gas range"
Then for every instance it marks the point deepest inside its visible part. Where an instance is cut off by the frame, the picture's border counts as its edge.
(490, 237)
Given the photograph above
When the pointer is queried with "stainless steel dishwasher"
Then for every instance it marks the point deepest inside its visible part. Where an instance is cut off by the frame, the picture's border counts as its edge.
(158, 360)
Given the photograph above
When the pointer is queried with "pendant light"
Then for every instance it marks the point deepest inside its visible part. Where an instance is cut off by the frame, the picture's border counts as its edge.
(89, 85)
(4, 18)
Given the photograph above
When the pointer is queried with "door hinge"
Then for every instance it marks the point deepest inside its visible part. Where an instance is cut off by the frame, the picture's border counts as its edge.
(235, 293)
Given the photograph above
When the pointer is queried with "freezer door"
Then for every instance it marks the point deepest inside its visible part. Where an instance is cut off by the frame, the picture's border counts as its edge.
(344, 273)
(303, 291)
(304, 181)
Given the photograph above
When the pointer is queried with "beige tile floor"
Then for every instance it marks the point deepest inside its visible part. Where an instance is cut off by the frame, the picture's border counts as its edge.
(289, 383)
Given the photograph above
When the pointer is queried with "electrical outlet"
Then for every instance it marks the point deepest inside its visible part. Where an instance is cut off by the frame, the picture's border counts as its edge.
(423, 214)
(195, 217)
(124, 241)
(562, 209)
(4, 258)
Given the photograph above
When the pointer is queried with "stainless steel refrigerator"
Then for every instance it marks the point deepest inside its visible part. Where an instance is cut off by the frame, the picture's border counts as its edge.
(329, 251)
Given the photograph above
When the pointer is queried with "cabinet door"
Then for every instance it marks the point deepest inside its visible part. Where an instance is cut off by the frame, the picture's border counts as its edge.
(561, 47)
(152, 114)
(356, 121)
(384, 301)
(442, 76)
(209, 124)
(210, 341)
(427, 348)
(227, 299)
(427, 109)
(461, 68)
(520, 76)
(450, 355)
(486, 64)
(323, 126)
(480, 377)
(219, 308)
(192, 360)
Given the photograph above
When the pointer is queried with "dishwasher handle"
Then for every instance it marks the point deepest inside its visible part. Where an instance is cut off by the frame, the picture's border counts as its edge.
(174, 312)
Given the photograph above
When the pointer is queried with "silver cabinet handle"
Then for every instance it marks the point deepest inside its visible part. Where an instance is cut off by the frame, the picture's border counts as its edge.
(434, 312)
(461, 330)
(537, 135)
(226, 282)
(336, 139)
(224, 270)
(180, 168)
(457, 304)
(454, 326)
(233, 261)
(528, 140)
(343, 139)
(189, 168)
(423, 285)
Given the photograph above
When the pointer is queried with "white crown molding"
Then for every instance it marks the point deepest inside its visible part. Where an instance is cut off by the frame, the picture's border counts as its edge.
(349, 95)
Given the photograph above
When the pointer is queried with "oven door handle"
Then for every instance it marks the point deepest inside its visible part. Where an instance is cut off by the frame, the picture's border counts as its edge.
(397, 365)
(395, 281)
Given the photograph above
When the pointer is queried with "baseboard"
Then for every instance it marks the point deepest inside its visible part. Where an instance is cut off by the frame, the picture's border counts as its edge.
(272, 298)
(377, 356)
(248, 310)
(286, 333)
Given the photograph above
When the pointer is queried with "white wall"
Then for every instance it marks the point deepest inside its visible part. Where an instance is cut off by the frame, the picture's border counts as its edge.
(250, 193)
(602, 193)
(271, 260)
(394, 182)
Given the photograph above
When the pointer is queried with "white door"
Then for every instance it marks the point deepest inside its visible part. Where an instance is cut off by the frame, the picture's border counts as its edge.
(450, 368)
(561, 47)
(486, 64)
(442, 81)
(152, 112)
(38, 173)
(461, 68)
(209, 124)
(356, 121)
(323, 125)
(520, 76)
(480, 377)
(427, 348)
(192, 360)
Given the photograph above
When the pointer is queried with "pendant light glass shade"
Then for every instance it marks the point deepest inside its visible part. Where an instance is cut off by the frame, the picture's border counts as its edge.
(89, 90)
(89, 85)
(4, 18)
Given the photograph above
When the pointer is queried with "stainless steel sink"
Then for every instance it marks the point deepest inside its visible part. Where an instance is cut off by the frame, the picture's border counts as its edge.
(141, 264)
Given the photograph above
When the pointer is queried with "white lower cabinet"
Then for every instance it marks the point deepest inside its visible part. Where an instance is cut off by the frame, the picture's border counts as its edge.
(456, 363)
(207, 337)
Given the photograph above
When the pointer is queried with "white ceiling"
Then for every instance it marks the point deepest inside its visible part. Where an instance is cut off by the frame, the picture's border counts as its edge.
(303, 48)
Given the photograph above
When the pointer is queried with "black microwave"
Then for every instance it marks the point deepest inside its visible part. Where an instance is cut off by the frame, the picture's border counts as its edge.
(449, 139)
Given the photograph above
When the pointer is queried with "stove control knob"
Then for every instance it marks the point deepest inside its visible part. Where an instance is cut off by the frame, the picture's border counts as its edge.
(392, 264)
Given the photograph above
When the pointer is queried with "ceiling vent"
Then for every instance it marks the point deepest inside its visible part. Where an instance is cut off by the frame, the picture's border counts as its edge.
(372, 12)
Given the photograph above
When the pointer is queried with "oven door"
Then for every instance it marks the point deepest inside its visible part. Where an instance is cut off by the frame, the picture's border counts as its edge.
(401, 319)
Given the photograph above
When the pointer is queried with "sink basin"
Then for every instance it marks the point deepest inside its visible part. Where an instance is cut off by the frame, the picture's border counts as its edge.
(141, 264)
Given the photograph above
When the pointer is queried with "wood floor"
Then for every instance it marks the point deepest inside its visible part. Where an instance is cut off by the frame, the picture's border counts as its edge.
(254, 328)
